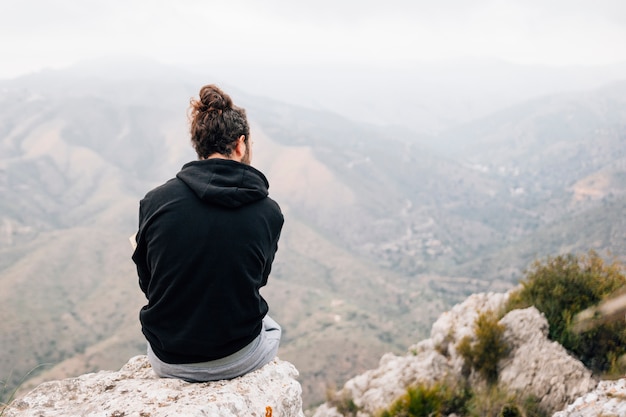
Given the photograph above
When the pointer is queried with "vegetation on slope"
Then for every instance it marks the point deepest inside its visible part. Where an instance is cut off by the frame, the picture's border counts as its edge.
(453, 398)
(483, 354)
(562, 286)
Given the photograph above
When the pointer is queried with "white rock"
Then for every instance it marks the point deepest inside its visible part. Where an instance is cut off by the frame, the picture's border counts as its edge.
(608, 400)
(538, 366)
(135, 390)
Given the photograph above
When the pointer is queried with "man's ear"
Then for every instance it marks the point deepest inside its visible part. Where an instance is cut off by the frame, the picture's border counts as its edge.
(240, 148)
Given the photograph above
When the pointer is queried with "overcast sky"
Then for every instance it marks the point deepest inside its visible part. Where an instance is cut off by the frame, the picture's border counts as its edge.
(36, 34)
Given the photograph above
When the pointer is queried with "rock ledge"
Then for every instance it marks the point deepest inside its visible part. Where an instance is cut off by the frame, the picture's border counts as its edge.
(136, 391)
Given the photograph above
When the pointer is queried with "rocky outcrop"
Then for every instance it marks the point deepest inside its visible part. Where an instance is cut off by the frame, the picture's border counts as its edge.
(136, 391)
(535, 365)
(539, 367)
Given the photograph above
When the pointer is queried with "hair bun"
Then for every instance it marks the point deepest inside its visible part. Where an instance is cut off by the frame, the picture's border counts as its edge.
(214, 99)
(215, 123)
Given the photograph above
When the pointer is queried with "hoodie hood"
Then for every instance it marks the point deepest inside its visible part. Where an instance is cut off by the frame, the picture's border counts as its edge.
(224, 182)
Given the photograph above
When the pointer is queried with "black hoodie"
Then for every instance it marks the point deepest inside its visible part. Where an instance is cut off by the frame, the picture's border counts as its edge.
(205, 246)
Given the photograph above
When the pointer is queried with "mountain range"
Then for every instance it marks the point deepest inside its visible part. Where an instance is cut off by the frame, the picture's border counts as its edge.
(385, 227)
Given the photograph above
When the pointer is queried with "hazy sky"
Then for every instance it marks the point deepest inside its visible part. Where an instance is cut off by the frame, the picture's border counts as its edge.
(36, 34)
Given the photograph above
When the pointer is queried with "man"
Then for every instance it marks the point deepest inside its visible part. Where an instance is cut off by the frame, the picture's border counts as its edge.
(205, 246)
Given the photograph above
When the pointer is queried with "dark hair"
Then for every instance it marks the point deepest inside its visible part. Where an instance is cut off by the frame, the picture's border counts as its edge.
(215, 123)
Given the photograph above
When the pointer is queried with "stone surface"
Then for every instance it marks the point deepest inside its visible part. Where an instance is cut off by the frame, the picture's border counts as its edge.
(538, 366)
(607, 400)
(452, 326)
(136, 391)
(377, 388)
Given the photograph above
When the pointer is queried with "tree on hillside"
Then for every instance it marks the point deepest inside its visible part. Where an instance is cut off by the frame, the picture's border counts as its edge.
(564, 285)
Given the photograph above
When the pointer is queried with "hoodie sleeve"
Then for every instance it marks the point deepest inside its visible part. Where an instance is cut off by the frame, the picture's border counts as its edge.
(139, 256)
(278, 222)
(268, 265)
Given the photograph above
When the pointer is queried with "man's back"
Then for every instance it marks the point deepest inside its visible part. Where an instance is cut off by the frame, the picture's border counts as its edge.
(206, 243)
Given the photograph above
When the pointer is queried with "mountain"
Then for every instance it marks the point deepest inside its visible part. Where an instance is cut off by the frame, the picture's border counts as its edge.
(534, 172)
(561, 160)
(384, 229)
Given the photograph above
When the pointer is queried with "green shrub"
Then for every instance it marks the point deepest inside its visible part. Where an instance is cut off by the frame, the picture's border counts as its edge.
(344, 404)
(562, 286)
(438, 399)
(442, 399)
(483, 353)
(497, 402)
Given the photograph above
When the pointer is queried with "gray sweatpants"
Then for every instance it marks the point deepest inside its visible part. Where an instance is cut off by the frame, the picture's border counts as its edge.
(259, 352)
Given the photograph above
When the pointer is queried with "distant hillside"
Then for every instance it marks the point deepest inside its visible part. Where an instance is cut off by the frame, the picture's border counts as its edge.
(383, 232)
(562, 163)
(443, 205)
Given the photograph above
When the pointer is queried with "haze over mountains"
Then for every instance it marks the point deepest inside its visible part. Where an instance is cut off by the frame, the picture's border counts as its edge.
(427, 97)
(385, 226)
